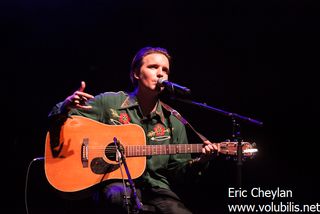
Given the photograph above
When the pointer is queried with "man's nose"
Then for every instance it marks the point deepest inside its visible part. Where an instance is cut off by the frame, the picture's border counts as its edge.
(160, 73)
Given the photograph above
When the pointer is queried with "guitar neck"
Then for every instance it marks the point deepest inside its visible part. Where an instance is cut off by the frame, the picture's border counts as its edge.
(143, 150)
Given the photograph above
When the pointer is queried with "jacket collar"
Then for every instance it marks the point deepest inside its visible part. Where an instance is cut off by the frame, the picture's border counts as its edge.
(132, 101)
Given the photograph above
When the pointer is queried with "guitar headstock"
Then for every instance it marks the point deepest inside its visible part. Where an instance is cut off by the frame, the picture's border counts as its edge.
(231, 148)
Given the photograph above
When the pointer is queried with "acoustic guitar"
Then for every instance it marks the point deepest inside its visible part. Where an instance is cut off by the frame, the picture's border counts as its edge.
(83, 153)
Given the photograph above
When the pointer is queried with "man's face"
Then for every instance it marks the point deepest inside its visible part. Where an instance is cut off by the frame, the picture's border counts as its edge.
(154, 66)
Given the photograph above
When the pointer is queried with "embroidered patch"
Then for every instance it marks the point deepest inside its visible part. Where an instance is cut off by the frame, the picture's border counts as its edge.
(124, 118)
(159, 133)
(117, 119)
(114, 113)
(159, 129)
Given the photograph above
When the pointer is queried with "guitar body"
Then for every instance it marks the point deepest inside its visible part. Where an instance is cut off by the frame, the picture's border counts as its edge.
(83, 154)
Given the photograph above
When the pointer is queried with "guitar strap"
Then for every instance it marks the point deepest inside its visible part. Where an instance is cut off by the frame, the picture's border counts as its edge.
(183, 120)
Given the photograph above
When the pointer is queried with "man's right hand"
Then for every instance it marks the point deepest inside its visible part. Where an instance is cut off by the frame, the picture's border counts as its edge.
(78, 99)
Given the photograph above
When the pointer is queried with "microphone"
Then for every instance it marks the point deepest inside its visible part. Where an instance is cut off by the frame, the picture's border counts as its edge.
(174, 88)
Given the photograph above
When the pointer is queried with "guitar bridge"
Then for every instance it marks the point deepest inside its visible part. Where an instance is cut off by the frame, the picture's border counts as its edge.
(85, 152)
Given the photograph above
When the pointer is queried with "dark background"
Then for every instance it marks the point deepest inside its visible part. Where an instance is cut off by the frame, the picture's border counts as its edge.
(255, 58)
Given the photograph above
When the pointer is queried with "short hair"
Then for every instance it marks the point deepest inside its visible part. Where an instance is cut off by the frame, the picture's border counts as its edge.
(137, 60)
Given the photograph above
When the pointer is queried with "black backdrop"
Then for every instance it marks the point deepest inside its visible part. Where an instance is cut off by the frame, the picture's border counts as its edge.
(255, 58)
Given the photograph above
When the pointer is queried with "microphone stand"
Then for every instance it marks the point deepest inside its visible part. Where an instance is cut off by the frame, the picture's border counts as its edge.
(235, 130)
(138, 205)
(237, 137)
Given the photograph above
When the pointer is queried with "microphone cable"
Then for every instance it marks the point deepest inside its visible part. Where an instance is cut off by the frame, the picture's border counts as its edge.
(26, 184)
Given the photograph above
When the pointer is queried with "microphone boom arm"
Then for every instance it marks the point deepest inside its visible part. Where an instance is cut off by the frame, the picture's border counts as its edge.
(220, 111)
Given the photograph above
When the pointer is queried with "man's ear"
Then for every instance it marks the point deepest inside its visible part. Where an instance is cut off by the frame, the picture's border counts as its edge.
(136, 75)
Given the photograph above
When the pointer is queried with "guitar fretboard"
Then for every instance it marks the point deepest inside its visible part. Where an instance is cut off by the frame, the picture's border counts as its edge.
(143, 150)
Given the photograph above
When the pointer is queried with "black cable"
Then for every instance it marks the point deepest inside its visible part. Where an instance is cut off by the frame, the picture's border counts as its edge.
(26, 184)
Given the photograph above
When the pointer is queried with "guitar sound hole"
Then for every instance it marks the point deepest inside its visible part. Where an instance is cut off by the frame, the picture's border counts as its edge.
(110, 151)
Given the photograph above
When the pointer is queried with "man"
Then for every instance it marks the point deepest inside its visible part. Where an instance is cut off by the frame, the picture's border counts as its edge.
(142, 107)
